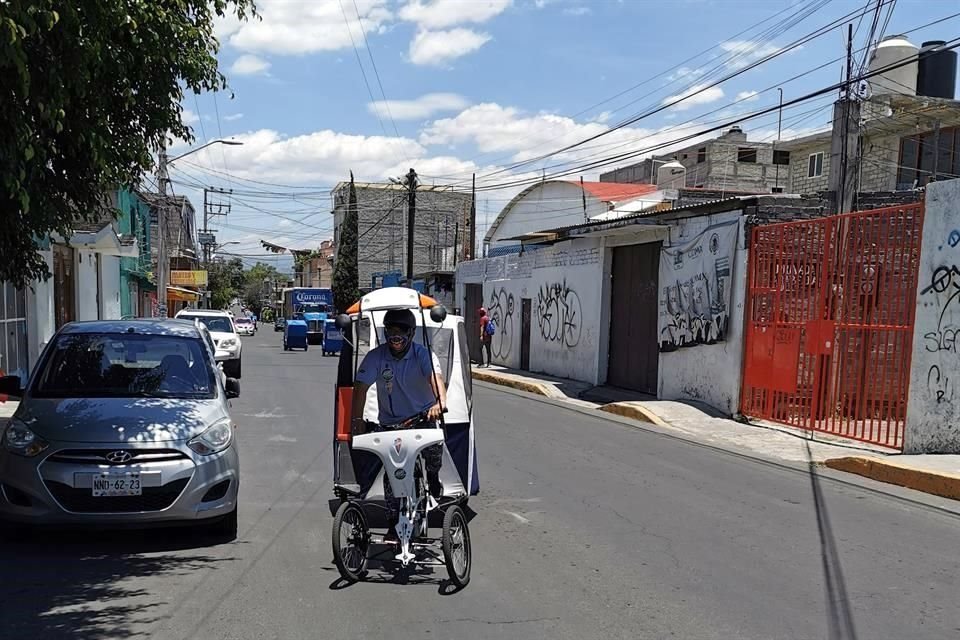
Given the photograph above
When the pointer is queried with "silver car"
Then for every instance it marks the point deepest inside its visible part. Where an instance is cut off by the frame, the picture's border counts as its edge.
(122, 423)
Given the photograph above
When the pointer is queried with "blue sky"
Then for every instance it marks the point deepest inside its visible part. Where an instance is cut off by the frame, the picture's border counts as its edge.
(473, 85)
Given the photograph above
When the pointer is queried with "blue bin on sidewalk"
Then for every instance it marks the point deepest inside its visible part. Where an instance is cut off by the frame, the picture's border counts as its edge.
(332, 337)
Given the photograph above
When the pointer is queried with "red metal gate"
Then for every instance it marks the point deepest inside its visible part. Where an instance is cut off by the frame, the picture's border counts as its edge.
(829, 323)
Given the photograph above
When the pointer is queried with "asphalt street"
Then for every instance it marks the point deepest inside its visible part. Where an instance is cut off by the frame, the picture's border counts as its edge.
(586, 527)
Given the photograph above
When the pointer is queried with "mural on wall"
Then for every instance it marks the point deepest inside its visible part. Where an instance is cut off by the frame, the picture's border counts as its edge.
(501, 310)
(559, 314)
(695, 283)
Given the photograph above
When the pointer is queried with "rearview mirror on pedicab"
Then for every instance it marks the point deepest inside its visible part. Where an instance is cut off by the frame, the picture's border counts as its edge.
(438, 313)
(343, 322)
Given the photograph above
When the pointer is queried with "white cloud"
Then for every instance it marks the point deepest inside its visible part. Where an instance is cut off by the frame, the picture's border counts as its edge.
(577, 11)
(684, 72)
(603, 116)
(747, 96)
(422, 107)
(507, 133)
(297, 28)
(442, 14)
(745, 52)
(232, 117)
(695, 95)
(437, 48)
(189, 117)
(249, 65)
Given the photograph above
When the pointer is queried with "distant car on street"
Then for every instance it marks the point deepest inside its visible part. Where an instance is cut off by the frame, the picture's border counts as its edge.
(245, 326)
(225, 337)
(279, 324)
(123, 423)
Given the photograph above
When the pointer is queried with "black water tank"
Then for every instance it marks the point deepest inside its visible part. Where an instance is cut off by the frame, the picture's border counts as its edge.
(937, 74)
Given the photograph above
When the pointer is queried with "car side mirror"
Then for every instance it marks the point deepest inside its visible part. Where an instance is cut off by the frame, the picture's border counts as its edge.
(233, 388)
(10, 386)
(438, 313)
(343, 322)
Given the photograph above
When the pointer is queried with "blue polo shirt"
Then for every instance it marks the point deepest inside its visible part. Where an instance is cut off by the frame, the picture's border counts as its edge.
(403, 386)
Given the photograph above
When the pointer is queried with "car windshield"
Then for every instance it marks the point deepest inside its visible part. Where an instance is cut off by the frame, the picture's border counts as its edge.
(126, 365)
(243, 321)
(213, 323)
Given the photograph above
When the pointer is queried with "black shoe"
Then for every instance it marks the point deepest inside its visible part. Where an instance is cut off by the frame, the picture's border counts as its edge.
(436, 487)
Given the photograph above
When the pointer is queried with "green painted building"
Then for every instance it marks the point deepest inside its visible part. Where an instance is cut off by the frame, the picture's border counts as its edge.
(136, 284)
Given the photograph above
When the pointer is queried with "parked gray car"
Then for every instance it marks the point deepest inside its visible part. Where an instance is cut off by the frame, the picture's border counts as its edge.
(122, 423)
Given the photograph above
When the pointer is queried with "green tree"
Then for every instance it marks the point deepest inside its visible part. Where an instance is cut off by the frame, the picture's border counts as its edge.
(259, 285)
(346, 272)
(88, 89)
(226, 281)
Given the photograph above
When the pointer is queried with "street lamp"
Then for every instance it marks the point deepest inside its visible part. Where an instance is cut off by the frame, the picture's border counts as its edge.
(163, 257)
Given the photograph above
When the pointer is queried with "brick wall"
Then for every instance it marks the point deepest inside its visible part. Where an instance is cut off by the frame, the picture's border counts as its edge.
(772, 210)
(800, 182)
(382, 225)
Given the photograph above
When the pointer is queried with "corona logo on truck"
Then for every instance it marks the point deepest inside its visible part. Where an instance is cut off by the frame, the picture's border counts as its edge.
(311, 305)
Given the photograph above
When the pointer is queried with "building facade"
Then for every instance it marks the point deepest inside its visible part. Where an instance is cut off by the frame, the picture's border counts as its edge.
(730, 162)
(440, 234)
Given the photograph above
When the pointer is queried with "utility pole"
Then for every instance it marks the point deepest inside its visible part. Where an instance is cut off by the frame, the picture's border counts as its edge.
(473, 220)
(776, 187)
(213, 208)
(844, 143)
(411, 221)
(583, 194)
(163, 259)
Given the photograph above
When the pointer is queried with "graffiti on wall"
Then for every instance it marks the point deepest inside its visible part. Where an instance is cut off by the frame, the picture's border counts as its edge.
(695, 281)
(944, 289)
(500, 310)
(559, 314)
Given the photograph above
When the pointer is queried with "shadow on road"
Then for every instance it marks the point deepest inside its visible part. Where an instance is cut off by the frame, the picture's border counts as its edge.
(840, 624)
(86, 584)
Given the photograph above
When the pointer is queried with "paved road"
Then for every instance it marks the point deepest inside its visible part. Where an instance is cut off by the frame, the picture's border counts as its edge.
(586, 528)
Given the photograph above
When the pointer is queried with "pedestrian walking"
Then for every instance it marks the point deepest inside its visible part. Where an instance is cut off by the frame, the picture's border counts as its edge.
(486, 336)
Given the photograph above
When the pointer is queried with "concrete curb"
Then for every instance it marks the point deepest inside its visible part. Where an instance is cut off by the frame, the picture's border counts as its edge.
(635, 411)
(513, 383)
(940, 484)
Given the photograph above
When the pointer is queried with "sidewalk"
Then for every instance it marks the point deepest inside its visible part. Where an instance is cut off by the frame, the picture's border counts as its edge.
(935, 474)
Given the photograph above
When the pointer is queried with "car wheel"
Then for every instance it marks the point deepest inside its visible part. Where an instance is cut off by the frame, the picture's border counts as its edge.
(224, 528)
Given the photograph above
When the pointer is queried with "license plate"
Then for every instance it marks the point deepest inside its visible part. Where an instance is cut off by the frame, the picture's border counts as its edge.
(109, 485)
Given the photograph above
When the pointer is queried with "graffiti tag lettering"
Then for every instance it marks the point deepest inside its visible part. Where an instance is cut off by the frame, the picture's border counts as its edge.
(501, 311)
(944, 287)
(938, 385)
(559, 314)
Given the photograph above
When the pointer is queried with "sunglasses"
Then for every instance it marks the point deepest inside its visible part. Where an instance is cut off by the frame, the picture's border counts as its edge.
(394, 331)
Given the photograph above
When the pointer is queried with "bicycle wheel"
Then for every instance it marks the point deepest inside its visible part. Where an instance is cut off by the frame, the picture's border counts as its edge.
(456, 546)
(351, 541)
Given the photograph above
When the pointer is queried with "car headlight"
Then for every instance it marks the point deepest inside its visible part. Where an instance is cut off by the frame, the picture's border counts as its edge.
(19, 439)
(228, 342)
(213, 440)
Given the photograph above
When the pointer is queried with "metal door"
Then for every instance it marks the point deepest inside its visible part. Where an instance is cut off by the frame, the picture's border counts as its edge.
(473, 300)
(829, 323)
(634, 350)
(526, 315)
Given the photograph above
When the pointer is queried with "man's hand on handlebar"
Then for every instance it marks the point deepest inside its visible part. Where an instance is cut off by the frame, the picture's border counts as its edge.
(434, 412)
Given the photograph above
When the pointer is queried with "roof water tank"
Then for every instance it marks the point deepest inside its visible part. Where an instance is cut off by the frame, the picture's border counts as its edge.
(672, 175)
(937, 75)
(901, 80)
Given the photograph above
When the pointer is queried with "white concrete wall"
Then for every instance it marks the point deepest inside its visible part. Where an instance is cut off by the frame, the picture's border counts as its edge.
(547, 206)
(564, 285)
(933, 409)
(110, 288)
(709, 373)
(40, 316)
(86, 275)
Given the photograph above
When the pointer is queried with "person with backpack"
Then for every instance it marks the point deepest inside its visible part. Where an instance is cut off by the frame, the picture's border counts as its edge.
(487, 329)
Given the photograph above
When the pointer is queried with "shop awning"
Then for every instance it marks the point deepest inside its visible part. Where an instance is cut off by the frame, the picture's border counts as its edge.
(182, 295)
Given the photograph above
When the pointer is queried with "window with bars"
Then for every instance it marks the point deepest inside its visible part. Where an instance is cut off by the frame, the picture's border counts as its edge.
(13, 331)
(746, 154)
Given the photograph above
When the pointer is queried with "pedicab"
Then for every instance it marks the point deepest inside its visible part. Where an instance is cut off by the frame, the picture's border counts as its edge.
(332, 337)
(361, 460)
(295, 335)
